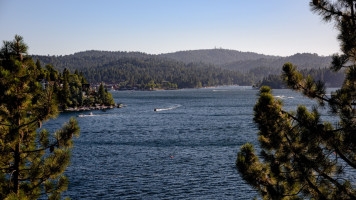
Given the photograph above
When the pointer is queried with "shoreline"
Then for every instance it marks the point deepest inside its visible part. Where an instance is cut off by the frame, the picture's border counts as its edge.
(89, 108)
(161, 89)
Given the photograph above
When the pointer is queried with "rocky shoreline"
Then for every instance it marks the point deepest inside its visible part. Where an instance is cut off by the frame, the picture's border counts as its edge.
(96, 107)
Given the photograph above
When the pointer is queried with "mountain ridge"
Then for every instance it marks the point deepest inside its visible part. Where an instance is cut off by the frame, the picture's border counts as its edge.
(302, 60)
(224, 58)
(247, 67)
(214, 56)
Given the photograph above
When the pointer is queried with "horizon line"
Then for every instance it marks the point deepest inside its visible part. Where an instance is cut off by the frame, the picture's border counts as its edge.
(172, 52)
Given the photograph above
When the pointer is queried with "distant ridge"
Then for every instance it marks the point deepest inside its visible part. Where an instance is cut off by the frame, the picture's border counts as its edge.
(302, 60)
(224, 58)
(112, 54)
(215, 56)
(142, 71)
(191, 68)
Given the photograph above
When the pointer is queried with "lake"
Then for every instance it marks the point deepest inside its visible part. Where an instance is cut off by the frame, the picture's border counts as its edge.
(184, 150)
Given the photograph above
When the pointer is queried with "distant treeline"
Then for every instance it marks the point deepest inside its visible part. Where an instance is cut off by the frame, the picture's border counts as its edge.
(188, 69)
(136, 71)
(218, 57)
(144, 70)
(330, 78)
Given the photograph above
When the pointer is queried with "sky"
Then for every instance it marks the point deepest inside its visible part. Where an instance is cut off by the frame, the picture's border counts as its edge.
(274, 27)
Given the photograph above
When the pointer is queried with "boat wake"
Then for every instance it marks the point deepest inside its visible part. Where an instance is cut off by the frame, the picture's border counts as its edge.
(284, 97)
(169, 108)
(91, 115)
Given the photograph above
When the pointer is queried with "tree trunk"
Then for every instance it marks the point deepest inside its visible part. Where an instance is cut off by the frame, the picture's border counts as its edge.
(16, 170)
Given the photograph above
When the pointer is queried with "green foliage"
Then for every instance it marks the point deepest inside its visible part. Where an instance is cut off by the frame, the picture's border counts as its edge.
(31, 162)
(327, 76)
(101, 93)
(152, 72)
(272, 64)
(68, 88)
(194, 68)
(104, 97)
(138, 70)
(216, 57)
(303, 156)
(273, 81)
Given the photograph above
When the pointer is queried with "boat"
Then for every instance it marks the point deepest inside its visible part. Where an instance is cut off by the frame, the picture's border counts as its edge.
(121, 105)
(169, 108)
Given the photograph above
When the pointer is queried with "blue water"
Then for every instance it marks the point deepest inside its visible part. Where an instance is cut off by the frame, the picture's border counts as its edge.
(186, 150)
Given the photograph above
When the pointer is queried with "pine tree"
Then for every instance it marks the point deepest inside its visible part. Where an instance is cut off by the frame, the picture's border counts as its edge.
(65, 94)
(101, 94)
(109, 101)
(31, 162)
(39, 70)
(303, 156)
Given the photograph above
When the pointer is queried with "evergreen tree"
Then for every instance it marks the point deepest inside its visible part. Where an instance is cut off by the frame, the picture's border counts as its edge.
(52, 74)
(39, 70)
(109, 101)
(303, 156)
(31, 163)
(101, 94)
(65, 94)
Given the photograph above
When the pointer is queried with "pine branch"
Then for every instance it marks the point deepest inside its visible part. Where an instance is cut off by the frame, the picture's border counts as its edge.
(43, 179)
(315, 95)
(6, 125)
(316, 189)
(337, 150)
(43, 149)
(29, 123)
(320, 172)
(289, 195)
(327, 132)
(330, 11)
(297, 158)
(6, 168)
(337, 184)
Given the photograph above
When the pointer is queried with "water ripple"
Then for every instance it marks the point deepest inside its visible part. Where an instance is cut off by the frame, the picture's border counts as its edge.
(187, 152)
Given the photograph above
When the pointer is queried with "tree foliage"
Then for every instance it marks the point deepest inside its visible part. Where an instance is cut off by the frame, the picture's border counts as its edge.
(141, 71)
(69, 88)
(303, 156)
(272, 81)
(103, 96)
(31, 162)
(217, 56)
(209, 67)
(327, 76)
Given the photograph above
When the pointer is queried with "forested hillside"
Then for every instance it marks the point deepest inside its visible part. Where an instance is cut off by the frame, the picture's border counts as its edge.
(93, 58)
(144, 71)
(140, 72)
(87, 59)
(197, 68)
(326, 75)
(303, 61)
(264, 67)
(215, 56)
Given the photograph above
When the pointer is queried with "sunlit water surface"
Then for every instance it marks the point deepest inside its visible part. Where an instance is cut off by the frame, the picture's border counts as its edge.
(184, 150)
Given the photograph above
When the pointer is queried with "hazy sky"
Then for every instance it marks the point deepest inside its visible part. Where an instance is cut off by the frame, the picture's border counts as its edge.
(274, 27)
